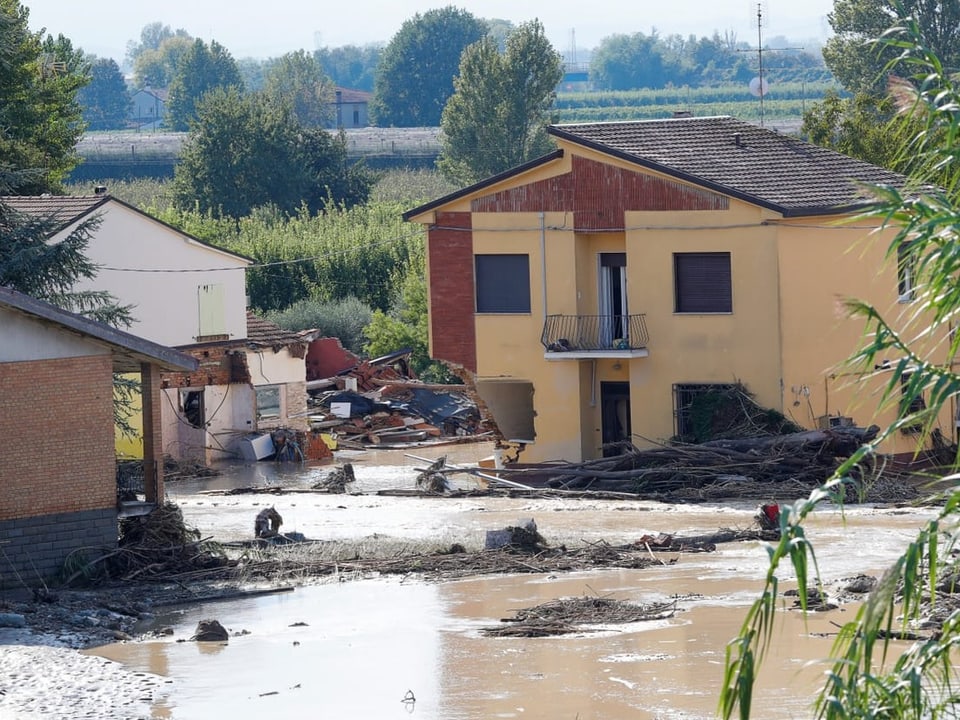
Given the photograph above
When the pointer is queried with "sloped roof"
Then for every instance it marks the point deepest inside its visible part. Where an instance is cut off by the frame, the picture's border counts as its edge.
(64, 210)
(263, 333)
(347, 95)
(730, 156)
(159, 93)
(129, 351)
(740, 159)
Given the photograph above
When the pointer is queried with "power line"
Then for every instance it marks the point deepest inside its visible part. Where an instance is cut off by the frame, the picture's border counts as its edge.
(276, 263)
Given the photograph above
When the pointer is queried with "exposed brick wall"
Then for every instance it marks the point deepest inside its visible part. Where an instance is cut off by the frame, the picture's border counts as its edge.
(56, 427)
(599, 194)
(35, 548)
(450, 248)
(296, 405)
(327, 357)
(219, 365)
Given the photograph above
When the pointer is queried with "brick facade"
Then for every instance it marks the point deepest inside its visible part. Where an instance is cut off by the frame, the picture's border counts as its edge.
(219, 365)
(58, 488)
(450, 251)
(35, 548)
(326, 357)
(598, 195)
(57, 430)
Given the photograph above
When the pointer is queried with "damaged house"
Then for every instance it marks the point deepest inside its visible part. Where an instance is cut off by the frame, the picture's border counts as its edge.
(240, 387)
(190, 295)
(597, 292)
(58, 490)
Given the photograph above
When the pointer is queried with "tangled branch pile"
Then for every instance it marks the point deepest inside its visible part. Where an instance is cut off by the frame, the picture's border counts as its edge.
(338, 479)
(161, 544)
(744, 467)
(155, 545)
(569, 615)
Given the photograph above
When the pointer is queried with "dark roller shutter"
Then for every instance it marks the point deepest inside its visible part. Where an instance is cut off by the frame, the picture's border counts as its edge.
(503, 283)
(702, 283)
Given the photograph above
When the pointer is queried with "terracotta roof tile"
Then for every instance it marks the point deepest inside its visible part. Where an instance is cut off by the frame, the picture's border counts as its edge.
(263, 333)
(63, 209)
(353, 96)
(739, 159)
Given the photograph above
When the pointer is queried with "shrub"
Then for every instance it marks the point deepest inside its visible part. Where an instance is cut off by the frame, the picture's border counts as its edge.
(343, 319)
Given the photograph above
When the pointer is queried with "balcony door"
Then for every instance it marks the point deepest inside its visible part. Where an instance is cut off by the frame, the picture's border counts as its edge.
(612, 291)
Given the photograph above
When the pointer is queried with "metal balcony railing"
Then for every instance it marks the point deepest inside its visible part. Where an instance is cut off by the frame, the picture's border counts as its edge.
(594, 333)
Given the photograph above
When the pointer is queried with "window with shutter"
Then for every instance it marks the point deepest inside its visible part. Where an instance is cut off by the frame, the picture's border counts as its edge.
(503, 283)
(702, 283)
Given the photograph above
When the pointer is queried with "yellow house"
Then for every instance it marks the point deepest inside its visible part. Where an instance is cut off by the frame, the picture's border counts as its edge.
(596, 291)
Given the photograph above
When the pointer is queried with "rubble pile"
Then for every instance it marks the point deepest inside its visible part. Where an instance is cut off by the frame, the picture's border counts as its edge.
(394, 416)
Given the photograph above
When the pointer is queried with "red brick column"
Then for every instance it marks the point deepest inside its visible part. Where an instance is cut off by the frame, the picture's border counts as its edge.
(152, 446)
(453, 334)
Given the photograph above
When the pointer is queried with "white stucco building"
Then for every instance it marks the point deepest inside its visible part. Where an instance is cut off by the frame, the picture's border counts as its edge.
(188, 294)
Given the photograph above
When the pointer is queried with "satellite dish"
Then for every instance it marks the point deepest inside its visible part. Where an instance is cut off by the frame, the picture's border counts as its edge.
(759, 87)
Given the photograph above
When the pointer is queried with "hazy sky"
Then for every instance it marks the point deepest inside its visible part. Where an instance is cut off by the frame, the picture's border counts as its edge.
(272, 27)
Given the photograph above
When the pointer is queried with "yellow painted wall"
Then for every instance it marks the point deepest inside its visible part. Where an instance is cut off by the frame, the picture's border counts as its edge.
(702, 348)
(509, 345)
(784, 339)
(127, 447)
(823, 264)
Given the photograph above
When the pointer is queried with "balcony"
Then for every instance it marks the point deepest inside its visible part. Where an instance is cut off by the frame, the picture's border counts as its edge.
(576, 337)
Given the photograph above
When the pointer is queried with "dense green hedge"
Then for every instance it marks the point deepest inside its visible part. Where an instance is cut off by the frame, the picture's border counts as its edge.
(691, 95)
(784, 101)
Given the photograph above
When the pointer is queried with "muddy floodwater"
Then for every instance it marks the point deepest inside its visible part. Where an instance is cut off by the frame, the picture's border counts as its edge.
(399, 647)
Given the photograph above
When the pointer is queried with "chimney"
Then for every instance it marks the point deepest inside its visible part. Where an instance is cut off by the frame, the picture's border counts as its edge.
(738, 140)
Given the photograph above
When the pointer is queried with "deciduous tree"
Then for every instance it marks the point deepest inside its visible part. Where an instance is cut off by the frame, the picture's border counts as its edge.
(246, 151)
(157, 67)
(350, 66)
(152, 37)
(627, 62)
(496, 118)
(415, 77)
(105, 100)
(201, 69)
(297, 78)
(40, 119)
(861, 63)
(863, 126)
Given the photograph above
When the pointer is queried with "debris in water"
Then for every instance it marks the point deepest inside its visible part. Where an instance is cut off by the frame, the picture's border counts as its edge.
(336, 482)
(210, 631)
(523, 536)
(571, 615)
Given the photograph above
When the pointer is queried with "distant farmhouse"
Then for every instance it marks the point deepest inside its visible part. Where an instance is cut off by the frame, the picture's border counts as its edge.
(350, 109)
(149, 107)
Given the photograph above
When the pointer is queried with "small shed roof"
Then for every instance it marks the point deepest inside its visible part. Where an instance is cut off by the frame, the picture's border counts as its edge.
(129, 351)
